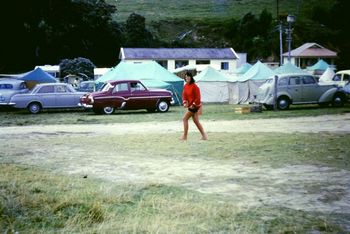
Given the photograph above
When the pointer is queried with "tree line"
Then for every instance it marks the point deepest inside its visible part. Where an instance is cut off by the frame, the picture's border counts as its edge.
(38, 32)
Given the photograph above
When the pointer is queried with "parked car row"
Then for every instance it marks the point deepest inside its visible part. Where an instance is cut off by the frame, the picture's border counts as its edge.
(121, 95)
(298, 89)
(133, 95)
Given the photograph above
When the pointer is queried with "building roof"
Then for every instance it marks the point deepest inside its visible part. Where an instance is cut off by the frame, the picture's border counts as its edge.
(177, 53)
(311, 50)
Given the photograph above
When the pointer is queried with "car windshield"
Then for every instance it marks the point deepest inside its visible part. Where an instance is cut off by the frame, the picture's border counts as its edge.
(85, 85)
(337, 77)
(6, 86)
(106, 87)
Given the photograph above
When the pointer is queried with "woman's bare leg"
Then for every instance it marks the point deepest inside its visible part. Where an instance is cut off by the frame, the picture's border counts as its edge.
(185, 119)
(195, 118)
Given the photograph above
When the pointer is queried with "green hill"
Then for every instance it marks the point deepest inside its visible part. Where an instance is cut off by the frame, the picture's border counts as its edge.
(206, 19)
(155, 10)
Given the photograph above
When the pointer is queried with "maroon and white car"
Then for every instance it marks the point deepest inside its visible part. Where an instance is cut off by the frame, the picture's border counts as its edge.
(127, 95)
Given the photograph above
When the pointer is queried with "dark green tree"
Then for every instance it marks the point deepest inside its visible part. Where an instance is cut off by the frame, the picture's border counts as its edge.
(340, 11)
(136, 33)
(77, 66)
(47, 31)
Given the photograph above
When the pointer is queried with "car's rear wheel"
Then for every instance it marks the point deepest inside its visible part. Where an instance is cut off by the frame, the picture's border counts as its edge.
(283, 103)
(338, 100)
(108, 110)
(34, 107)
(163, 106)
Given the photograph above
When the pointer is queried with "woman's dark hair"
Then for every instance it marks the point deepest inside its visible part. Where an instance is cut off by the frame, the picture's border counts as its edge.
(189, 74)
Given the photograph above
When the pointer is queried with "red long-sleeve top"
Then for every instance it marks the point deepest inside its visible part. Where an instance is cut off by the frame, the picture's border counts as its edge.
(192, 95)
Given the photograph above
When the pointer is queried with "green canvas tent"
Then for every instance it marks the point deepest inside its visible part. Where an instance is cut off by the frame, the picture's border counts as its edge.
(151, 74)
(289, 68)
(242, 69)
(319, 67)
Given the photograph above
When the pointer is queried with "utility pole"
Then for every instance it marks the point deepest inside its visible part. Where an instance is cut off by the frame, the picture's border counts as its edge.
(290, 20)
(281, 42)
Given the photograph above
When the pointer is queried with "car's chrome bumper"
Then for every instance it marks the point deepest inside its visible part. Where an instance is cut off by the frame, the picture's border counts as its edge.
(84, 105)
(7, 103)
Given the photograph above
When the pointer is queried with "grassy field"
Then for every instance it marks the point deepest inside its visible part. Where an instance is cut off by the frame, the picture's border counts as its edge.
(210, 112)
(151, 183)
(58, 186)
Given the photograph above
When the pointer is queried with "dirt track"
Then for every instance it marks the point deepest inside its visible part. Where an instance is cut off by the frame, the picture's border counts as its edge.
(330, 123)
(300, 187)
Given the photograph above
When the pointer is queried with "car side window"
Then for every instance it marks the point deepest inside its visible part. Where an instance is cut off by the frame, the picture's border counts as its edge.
(346, 77)
(308, 80)
(6, 86)
(136, 86)
(46, 89)
(121, 87)
(61, 89)
(283, 81)
(294, 80)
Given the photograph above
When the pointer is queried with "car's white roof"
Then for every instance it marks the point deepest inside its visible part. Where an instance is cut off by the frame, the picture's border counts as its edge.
(10, 81)
(343, 72)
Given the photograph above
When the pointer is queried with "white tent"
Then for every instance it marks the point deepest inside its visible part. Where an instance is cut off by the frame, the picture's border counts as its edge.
(327, 76)
(214, 86)
(244, 89)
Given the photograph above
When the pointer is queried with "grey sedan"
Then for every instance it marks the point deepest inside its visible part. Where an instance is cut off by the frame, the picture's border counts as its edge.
(298, 89)
(48, 96)
(10, 87)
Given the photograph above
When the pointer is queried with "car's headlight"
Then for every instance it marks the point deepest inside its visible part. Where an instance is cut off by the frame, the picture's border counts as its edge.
(91, 98)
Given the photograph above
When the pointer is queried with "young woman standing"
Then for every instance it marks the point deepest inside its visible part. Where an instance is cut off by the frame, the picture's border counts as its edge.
(191, 99)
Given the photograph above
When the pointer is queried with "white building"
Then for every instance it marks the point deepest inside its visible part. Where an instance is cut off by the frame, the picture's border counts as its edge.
(173, 58)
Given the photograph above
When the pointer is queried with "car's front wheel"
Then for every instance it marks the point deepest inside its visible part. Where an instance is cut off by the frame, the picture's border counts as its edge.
(34, 107)
(163, 106)
(338, 100)
(108, 110)
(283, 103)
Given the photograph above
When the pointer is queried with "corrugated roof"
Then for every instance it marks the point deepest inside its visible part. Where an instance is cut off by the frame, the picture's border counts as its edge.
(311, 49)
(177, 53)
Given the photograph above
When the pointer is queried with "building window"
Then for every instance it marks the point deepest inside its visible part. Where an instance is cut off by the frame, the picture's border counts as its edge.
(181, 63)
(198, 62)
(224, 66)
(163, 63)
